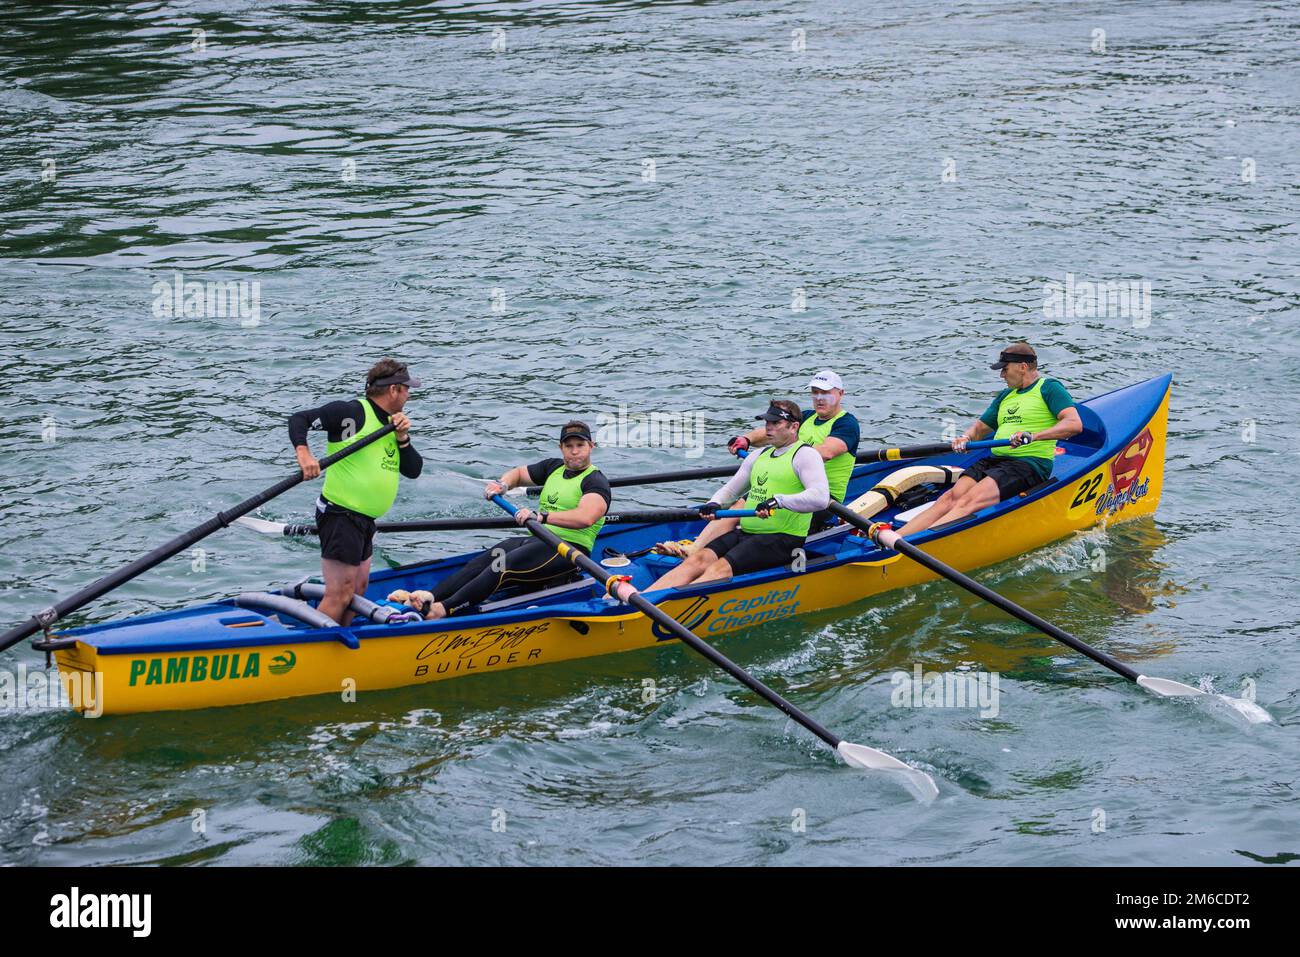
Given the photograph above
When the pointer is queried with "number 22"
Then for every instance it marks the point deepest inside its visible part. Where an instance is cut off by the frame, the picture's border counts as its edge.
(1088, 490)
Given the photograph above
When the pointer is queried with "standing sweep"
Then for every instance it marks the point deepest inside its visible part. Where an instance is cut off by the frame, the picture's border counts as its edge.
(364, 487)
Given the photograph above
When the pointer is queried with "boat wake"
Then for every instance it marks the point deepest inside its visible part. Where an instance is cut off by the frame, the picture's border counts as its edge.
(1226, 706)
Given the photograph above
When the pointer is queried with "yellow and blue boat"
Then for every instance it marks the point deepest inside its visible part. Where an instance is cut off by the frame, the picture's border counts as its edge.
(271, 645)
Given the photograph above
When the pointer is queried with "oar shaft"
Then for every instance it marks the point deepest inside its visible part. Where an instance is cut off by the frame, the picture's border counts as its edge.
(167, 550)
(629, 595)
(888, 538)
(648, 517)
(723, 471)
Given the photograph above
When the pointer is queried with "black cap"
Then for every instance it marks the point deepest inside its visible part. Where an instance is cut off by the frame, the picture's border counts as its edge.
(575, 432)
(776, 414)
(1015, 354)
(397, 378)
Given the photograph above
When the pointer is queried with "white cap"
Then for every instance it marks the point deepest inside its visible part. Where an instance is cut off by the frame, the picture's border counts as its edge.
(827, 380)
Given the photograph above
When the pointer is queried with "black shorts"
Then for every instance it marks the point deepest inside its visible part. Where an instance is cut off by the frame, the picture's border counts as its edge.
(746, 552)
(345, 536)
(1012, 475)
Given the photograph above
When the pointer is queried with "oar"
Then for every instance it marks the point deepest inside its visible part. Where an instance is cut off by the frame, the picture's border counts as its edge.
(875, 455)
(620, 586)
(47, 617)
(1163, 687)
(648, 517)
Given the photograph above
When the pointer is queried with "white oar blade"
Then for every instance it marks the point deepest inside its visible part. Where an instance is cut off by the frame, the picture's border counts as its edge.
(261, 525)
(1247, 710)
(918, 782)
(1168, 689)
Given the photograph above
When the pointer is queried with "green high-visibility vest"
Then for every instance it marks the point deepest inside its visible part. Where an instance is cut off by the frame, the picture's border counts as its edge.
(839, 469)
(560, 494)
(1026, 412)
(775, 476)
(365, 481)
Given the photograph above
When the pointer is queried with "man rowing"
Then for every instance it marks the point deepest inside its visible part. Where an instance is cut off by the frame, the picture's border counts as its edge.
(785, 483)
(361, 487)
(1033, 413)
(832, 432)
(574, 499)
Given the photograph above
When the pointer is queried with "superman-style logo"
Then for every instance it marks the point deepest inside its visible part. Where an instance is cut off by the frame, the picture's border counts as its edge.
(1127, 466)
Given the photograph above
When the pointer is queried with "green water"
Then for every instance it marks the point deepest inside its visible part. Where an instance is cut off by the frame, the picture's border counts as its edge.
(396, 186)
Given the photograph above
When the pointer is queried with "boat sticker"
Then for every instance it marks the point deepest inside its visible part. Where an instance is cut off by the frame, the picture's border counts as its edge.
(1110, 502)
(1086, 492)
(686, 617)
(1127, 466)
(283, 664)
(193, 669)
(1125, 470)
(455, 652)
(1093, 495)
(773, 605)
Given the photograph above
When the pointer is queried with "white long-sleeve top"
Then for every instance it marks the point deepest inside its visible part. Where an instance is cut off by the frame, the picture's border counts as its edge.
(807, 464)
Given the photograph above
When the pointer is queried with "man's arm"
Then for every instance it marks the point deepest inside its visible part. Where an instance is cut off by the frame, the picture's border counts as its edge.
(1068, 424)
(512, 478)
(335, 418)
(737, 485)
(831, 448)
(591, 509)
(409, 462)
(974, 432)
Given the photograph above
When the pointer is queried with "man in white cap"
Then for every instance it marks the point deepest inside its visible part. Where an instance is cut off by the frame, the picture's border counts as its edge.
(829, 429)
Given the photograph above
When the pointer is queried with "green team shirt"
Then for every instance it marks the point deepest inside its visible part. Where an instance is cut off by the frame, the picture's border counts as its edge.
(1057, 400)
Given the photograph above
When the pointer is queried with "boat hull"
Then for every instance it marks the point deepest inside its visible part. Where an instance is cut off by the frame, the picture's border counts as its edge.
(1119, 480)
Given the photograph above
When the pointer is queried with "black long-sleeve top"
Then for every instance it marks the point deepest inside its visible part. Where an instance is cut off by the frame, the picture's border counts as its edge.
(348, 415)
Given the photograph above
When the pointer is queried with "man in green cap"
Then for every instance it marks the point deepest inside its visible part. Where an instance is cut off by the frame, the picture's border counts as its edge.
(1033, 413)
(361, 487)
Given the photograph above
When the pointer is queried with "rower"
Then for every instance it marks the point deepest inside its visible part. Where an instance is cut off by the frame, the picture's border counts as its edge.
(832, 431)
(786, 484)
(574, 499)
(1032, 412)
(361, 487)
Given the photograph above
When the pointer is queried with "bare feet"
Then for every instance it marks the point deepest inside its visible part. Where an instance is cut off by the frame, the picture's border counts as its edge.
(682, 549)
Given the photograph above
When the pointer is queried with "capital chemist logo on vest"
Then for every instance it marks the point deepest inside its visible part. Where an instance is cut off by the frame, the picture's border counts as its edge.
(231, 299)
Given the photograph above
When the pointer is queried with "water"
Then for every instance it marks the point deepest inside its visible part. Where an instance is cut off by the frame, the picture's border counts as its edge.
(495, 228)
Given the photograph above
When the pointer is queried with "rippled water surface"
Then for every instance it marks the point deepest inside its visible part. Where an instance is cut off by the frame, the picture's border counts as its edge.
(621, 204)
